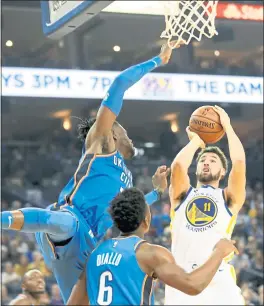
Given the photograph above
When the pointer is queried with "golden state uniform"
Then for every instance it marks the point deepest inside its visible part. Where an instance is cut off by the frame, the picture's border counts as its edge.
(197, 224)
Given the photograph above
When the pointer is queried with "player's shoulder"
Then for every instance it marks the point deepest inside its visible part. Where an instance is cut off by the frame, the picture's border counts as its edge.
(152, 251)
(21, 300)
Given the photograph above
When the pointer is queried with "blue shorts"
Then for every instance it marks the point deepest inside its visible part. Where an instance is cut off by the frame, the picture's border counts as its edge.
(67, 262)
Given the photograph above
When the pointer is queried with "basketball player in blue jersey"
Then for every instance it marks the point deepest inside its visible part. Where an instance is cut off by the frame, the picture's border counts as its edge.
(122, 270)
(69, 230)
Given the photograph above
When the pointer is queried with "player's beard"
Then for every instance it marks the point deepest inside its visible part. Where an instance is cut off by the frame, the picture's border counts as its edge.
(130, 151)
(208, 177)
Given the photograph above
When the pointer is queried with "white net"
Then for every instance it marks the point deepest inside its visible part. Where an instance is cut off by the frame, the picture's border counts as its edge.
(186, 20)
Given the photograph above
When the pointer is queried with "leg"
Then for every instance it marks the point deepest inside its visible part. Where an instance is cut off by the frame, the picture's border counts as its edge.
(60, 225)
(69, 260)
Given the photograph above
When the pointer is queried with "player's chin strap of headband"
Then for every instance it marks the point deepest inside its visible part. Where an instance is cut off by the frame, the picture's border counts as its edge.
(153, 196)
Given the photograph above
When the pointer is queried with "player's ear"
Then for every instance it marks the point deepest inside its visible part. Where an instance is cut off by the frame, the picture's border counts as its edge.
(147, 221)
(223, 173)
(114, 132)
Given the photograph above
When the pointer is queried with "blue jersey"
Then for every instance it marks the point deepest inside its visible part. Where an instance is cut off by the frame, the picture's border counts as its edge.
(114, 276)
(97, 180)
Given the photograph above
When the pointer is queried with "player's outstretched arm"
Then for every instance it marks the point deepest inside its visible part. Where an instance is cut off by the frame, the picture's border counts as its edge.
(236, 189)
(59, 225)
(180, 182)
(160, 184)
(161, 264)
(79, 292)
(113, 101)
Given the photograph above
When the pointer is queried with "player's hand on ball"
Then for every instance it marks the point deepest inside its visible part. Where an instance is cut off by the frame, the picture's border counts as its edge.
(193, 136)
(224, 118)
(159, 179)
(227, 247)
(166, 51)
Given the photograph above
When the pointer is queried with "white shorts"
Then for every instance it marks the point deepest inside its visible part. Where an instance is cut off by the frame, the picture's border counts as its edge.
(221, 291)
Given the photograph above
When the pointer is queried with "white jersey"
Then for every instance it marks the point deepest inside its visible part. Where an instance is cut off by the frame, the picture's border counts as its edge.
(198, 223)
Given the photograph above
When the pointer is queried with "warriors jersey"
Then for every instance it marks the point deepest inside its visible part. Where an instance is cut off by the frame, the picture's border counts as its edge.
(198, 223)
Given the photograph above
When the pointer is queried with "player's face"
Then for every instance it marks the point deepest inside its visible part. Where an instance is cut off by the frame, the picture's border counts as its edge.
(209, 168)
(123, 142)
(34, 282)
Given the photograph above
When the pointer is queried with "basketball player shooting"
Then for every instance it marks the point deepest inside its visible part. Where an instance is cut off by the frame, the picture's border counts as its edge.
(206, 213)
(68, 231)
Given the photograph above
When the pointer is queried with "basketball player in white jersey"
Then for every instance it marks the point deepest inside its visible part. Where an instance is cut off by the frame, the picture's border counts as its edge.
(204, 214)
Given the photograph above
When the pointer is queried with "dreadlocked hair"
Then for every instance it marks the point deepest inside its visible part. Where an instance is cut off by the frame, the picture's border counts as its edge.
(128, 210)
(84, 127)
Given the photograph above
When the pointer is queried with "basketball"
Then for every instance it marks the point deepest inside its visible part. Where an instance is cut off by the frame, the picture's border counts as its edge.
(206, 123)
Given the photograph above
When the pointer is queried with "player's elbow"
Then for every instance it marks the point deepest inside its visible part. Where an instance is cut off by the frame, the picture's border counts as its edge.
(121, 82)
(177, 167)
(192, 287)
(193, 290)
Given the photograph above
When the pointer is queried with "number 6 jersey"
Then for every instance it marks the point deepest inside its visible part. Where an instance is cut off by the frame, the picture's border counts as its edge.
(114, 276)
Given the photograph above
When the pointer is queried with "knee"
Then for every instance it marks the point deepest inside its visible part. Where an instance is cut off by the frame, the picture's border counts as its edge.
(64, 221)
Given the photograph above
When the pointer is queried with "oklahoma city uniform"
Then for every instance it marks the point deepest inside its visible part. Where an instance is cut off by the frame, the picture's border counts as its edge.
(197, 224)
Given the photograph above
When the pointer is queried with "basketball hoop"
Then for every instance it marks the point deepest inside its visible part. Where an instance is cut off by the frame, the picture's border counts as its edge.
(189, 19)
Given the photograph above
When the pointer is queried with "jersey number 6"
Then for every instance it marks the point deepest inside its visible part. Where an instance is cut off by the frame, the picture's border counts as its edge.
(105, 295)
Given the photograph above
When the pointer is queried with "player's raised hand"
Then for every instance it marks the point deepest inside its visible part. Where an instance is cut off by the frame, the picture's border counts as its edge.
(224, 118)
(192, 135)
(166, 51)
(227, 247)
(160, 178)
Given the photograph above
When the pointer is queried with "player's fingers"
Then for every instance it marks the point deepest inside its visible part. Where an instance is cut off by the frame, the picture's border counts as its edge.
(188, 129)
(177, 43)
(168, 171)
(218, 108)
(236, 250)
(233, 241)
(162, 169)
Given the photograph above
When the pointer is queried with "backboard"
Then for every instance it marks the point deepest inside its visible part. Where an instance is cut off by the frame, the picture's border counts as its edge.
(62, 17)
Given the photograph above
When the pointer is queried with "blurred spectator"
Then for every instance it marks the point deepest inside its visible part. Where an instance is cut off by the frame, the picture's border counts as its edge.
(144, 182)
(39, 264)
(16, 205)
(23, 266)
(55, 295)
(9, 275)
(44, 300)
(5, 298)
(251, 297)
(13, 248)
(260, 293)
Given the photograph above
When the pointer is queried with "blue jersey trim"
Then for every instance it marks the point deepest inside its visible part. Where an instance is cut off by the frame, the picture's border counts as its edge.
(226, 205)
(184, 198)
(208, 186)
(146, 292)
